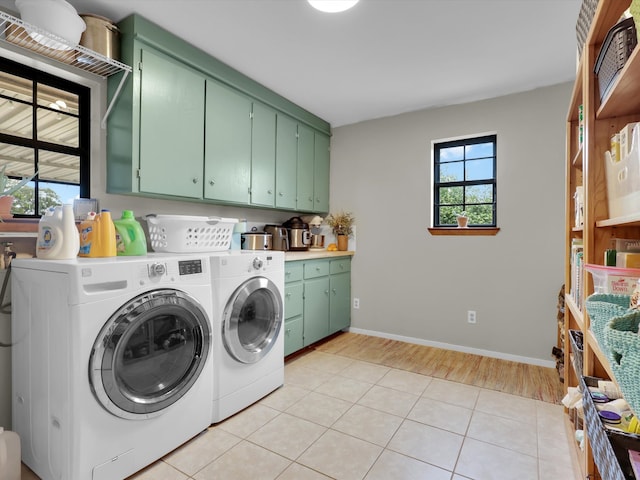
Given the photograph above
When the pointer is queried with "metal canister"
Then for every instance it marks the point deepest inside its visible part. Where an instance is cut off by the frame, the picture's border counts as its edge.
(101, 36)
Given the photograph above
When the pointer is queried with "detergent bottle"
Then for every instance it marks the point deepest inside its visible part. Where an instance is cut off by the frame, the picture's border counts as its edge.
(130, 238)
(104, 236)
(58, 236)
(9, 455)
(87, 234)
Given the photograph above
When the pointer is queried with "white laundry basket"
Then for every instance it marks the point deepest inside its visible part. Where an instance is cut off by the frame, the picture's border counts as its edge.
(187, 234)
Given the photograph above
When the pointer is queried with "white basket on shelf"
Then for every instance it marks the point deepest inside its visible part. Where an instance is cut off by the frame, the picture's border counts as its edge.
(623, 180)
(187, 234)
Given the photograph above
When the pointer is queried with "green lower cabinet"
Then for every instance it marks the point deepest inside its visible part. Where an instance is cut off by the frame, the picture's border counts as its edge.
(317, 300)
(316, 309)
(293, 335)
(340, 302)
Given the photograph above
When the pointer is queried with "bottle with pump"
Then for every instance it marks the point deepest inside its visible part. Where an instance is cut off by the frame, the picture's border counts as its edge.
(58, 236)
(130, 238)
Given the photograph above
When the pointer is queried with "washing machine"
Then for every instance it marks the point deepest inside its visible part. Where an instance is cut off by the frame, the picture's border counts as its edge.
(111, 361)
(248, 332)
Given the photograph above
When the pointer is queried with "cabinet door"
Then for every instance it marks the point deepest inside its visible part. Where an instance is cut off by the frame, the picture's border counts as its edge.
(227, 145)
(305, 169)
(321, 173)
(171, 127)
(263, 155)
(293, 300)
(286, 162)
(316, 309)
(340, 303)
(293, 331)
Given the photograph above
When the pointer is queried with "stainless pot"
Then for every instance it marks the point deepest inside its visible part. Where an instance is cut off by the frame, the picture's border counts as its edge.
(299, 234)
(101, 36)
(280, 237)
(256, 241)
(317, 241)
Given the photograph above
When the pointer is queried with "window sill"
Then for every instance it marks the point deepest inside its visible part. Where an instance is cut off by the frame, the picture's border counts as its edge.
(464, 232)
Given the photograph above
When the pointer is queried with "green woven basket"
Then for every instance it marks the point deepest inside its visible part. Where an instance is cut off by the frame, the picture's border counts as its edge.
(602, 307)
(621, 336)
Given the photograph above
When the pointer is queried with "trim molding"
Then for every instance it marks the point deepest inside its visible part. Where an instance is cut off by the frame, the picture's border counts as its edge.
(457, 348)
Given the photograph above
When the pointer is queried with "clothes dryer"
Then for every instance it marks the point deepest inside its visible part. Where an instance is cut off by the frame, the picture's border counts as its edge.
(111, 361)
(248, 333)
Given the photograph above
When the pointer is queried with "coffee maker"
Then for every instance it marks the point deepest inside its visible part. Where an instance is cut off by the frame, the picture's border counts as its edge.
(280, 237)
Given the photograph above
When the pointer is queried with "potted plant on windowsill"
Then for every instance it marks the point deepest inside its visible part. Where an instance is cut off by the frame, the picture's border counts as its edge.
(342, 226)
(462, 219)
(7, 190)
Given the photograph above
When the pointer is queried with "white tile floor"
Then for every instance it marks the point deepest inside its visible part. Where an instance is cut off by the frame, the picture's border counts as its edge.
(350, 420)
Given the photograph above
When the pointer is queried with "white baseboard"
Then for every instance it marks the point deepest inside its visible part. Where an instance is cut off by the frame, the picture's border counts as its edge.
(458, 348)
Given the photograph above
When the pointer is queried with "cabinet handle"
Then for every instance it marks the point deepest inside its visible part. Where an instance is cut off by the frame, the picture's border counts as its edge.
(269, 192)
(311, 199)
(281, 194)
(287, 294)
(287, 331)
(212, 183)
(317, 269)
(326, 292)
(195, 180)
(333, 290)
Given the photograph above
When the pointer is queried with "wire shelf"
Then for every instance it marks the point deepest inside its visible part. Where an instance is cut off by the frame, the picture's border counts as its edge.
(16, 32)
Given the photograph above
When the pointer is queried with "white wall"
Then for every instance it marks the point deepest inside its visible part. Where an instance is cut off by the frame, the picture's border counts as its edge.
(415, 285)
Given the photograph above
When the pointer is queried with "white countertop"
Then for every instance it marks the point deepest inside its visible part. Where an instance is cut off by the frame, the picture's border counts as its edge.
(311, 254)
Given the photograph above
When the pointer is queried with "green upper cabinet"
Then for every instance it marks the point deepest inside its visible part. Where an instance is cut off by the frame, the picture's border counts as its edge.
(227, 152)
(171, 108)
(263, 156)
(305, 169)
(321, 173)
(286, 162)
(185, 125)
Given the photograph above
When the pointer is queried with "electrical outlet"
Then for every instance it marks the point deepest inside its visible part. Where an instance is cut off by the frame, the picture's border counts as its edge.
(356, 303)
(471, 316)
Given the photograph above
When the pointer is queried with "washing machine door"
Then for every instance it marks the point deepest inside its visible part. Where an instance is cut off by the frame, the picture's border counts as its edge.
(149, 353)
(252, 320)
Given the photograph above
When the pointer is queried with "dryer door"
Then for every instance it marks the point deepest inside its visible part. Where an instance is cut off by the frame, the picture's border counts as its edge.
(149, 353)
(252, 320)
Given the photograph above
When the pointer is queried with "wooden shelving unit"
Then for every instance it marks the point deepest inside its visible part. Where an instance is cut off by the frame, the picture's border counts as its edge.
(585, 166)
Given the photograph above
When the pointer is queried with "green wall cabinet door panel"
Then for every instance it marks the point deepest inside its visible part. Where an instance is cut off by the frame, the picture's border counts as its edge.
(316, 309)
(286, 162)
(263, 155)
(171, 134)
(321, 172)
(293, 331)
(227, 158)
(305, 169)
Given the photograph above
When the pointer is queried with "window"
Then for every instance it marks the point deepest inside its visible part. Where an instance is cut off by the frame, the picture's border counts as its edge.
(465, 180)
(44, 128)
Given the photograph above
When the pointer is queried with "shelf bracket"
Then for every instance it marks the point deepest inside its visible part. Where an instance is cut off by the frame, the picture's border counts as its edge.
(103, 123)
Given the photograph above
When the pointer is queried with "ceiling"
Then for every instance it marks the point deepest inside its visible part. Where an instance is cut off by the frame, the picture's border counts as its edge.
(381, 58)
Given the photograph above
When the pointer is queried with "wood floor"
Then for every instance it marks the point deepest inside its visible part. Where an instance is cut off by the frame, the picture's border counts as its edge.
(521, 379)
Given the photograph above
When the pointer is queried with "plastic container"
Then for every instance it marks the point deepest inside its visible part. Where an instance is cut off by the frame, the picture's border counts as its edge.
(105, 236)
(130, 238)
(87, 231)
(190, 234)
(55, 16)
(614, 280)
(9, 455)
(623, 180)
(58, 236)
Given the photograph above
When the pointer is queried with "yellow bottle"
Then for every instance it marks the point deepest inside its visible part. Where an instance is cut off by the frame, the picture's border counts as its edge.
(106, 241)
(98, 235)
